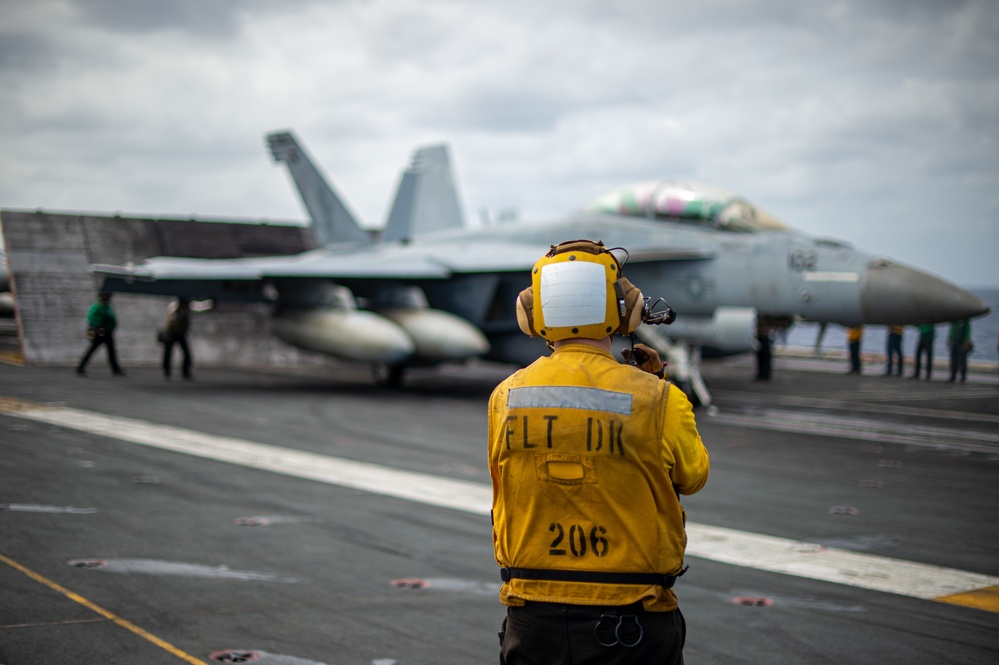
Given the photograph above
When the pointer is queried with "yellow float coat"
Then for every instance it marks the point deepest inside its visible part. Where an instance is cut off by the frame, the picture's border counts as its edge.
(587, 457)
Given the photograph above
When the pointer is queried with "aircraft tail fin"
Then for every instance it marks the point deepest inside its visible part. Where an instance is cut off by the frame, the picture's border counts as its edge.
(332, 222)
(427, 199)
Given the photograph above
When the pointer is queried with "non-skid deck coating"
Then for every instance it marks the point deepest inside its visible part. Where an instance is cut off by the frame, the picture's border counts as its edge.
(861, 534)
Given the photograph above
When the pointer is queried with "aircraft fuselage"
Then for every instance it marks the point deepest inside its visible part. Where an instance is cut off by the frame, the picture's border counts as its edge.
(782, 275)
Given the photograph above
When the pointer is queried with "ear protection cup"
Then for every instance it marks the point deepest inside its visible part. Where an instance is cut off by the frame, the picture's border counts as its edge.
(630, 303)
(525, 312)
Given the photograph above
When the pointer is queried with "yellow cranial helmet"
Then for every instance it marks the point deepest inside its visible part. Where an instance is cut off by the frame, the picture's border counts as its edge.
(577, 291)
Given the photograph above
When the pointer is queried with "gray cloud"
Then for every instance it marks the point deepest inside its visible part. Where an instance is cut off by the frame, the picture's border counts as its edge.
(215, 20)
(873, 121)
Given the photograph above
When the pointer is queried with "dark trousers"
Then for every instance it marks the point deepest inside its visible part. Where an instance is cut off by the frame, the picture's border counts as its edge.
(855, 357)
(925, 346)
(168, 355)
(894, 352)
(958, 361)
(108, 341)
(545, 633)
(764, 358)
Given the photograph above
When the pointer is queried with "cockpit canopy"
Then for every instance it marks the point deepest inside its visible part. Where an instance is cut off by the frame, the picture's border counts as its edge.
(688, 202)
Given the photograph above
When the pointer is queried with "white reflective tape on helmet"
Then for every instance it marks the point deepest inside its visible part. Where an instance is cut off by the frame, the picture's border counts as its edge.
(573, 293)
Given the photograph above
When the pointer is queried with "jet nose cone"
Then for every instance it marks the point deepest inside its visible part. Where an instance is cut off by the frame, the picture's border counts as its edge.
(897, 294)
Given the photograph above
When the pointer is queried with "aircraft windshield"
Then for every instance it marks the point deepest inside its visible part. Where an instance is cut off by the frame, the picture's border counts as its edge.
(688, 202)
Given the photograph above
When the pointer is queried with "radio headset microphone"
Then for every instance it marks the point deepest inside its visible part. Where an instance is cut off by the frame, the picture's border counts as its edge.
(654, 318)
(664, 316)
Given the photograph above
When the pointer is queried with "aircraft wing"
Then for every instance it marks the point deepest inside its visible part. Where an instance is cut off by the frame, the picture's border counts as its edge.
(167, 268)
(314, 264)
(428, 261)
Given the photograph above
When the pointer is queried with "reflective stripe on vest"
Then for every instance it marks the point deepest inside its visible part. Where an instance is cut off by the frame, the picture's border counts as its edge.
(569, 397)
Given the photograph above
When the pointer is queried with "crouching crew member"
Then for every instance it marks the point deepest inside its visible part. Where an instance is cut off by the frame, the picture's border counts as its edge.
(587, 458)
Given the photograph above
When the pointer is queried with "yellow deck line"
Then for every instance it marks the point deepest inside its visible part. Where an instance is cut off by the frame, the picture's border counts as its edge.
(981, 599)
(124, 623)
(12, 358)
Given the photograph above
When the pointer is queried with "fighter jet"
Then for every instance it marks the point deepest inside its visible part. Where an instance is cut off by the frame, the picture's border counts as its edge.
(431, 290)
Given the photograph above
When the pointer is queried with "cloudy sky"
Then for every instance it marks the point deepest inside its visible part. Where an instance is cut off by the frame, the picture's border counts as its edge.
(874, 122)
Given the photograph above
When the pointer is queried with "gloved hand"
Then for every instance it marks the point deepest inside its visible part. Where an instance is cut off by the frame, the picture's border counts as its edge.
(644, 358)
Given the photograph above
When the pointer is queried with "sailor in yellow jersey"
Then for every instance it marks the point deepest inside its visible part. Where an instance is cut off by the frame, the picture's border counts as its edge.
(587, 458)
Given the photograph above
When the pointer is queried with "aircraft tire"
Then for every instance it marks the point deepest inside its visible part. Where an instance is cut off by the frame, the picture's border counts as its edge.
(388, 375)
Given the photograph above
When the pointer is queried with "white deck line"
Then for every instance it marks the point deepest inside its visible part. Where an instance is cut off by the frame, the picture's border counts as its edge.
(731, 546)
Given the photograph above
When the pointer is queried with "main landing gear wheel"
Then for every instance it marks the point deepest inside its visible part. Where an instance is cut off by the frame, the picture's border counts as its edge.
(388, 376)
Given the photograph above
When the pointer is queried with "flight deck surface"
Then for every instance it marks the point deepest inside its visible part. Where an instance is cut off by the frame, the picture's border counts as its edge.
(309, 517)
